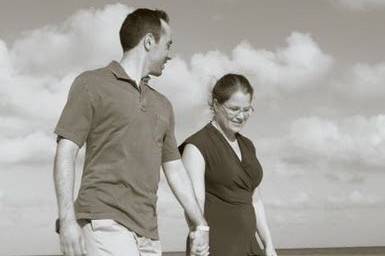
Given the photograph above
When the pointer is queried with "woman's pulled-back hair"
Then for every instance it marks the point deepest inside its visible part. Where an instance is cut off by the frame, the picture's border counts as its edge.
(227, 85)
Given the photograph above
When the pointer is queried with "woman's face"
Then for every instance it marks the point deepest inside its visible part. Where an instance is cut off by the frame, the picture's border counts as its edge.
(233, 114)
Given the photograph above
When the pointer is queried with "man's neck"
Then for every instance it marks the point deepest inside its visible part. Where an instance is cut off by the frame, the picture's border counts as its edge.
(133, 64)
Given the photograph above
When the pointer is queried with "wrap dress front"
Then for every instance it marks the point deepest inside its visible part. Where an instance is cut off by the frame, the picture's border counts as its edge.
(229, 184)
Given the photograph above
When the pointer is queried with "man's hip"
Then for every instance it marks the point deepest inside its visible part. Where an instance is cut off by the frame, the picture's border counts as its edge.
(108, 237)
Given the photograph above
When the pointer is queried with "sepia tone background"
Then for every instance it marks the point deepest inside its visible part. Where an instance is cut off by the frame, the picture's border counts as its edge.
(318, 69)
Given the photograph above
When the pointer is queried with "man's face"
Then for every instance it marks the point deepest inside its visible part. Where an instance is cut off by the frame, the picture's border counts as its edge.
(159, 54)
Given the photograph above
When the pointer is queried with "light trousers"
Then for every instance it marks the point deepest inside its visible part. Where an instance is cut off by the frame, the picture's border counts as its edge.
(108, 238)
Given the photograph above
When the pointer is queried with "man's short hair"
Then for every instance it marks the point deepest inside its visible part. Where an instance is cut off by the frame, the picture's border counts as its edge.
(139, 23)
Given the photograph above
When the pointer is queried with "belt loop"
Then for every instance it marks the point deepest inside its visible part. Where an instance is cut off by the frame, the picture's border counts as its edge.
(92, 223)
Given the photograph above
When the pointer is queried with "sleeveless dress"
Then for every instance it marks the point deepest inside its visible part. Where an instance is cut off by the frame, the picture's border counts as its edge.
(229, 184)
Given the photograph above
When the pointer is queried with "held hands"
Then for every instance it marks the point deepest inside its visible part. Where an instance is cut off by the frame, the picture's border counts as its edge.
(270, 251)
(71, 239)
(199, 243)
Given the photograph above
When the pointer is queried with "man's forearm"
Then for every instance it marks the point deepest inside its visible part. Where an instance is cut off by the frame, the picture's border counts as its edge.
(64, 172)
(181, 186)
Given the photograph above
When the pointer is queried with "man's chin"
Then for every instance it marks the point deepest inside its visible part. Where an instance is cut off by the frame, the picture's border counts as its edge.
(156, 73)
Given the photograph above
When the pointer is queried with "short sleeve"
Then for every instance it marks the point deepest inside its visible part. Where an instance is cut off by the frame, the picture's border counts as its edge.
(170, 150)
(198, 142)
(75, 121)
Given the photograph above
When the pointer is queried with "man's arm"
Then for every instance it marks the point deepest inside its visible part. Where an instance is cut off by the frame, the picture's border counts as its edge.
(71, 237)
(180, 184)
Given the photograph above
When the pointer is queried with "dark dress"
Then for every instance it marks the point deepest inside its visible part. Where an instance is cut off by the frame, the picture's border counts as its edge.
(229, 184)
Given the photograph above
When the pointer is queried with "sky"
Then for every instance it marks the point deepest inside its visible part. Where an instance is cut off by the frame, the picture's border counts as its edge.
(318, 70)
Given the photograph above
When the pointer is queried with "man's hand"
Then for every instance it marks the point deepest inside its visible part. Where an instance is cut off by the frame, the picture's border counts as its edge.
(71, 239)
(199, 243)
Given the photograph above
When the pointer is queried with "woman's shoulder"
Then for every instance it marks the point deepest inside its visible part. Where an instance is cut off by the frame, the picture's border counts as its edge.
(199, 136)
(198, 139)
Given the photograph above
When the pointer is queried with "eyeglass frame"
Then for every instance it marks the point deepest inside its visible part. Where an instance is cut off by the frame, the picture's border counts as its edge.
(235, 113)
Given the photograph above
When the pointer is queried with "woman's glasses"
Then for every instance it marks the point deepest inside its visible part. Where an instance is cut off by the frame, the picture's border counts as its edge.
(234, 111)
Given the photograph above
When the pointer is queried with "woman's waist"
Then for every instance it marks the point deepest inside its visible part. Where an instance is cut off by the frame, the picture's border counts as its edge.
(228, 200)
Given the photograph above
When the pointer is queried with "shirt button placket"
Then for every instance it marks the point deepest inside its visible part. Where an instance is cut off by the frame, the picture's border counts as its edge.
(142, 102)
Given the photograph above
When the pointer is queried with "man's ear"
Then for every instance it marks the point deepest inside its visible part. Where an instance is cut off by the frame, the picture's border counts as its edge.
(148, 41)
(215, 105)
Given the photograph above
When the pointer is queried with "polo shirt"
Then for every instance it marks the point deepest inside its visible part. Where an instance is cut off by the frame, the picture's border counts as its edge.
(128, 132)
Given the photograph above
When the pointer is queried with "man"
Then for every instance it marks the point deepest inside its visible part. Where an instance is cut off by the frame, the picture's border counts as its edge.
(128, 128)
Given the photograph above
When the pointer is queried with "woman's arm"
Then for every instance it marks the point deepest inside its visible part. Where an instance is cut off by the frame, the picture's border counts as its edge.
(262, 227)
(195, 165)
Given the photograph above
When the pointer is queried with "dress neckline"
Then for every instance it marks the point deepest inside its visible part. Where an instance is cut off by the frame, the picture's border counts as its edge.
(224, 140)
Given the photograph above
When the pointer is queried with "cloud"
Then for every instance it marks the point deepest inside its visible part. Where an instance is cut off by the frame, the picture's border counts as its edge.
(37, 70)
(345, 176)
(299, 200)
(321, 156)
(359, 5)
(87, 39)
(352, 140)
(1, 200)
(288, 68)
(334, 200)
(362, 83)
(273, 73)
(5, 62)
(354, 198)
(33, 148)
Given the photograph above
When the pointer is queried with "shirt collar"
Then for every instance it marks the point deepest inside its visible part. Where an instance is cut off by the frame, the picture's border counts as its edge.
(118, 71)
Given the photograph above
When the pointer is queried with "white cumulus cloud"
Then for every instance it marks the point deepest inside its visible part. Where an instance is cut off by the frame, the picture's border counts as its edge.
(33, 148)
(354, 198)
(353, 140)
(362, 83)
(300, 200)
(359, 5)
(87, 39)
(37, 70)
(290, 69)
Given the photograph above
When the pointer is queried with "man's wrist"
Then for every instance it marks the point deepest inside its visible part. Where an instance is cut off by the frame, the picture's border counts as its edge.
(269, 244)
(68, 219)
(60, 223)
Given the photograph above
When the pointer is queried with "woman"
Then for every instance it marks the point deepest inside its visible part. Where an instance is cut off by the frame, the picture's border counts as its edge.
(225, 173)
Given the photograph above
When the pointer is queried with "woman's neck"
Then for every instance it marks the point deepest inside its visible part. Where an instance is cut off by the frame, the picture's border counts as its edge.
(229, 135)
